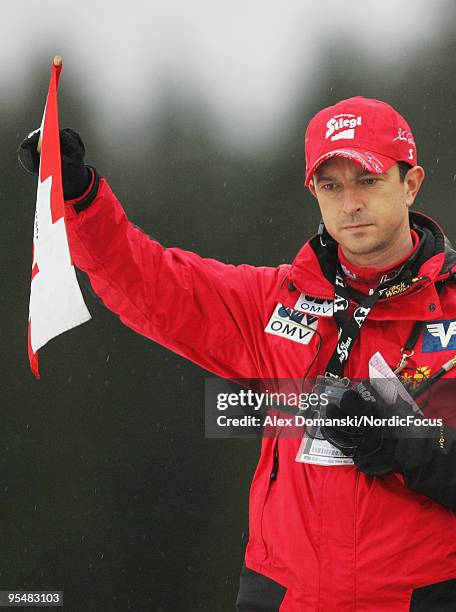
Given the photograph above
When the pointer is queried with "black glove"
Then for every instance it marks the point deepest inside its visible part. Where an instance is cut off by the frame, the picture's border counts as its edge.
(76, 176)
(424, 455)
(372, 447)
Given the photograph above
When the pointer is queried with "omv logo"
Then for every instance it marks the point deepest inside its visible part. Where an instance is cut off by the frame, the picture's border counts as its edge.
(291, 324)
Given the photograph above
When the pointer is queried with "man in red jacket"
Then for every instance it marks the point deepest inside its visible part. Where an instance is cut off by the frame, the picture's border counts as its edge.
(356, 518)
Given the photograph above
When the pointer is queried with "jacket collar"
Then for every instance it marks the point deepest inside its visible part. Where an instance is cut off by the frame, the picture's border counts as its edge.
(312, 273)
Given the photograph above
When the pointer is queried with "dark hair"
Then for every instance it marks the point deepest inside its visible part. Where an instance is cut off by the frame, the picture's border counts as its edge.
(404, 167)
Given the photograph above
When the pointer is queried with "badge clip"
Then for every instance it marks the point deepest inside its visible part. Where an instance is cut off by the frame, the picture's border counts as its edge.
(403, 362)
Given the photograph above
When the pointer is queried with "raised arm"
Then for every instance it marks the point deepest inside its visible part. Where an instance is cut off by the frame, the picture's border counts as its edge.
(205, 310)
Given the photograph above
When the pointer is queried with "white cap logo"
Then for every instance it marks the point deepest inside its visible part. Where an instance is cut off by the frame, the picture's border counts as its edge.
(345, 122)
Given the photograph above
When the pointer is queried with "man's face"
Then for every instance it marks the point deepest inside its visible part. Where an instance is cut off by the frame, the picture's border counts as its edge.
(365, 213)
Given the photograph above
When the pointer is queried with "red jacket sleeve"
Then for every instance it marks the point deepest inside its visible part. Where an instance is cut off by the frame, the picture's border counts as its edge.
(207, 311)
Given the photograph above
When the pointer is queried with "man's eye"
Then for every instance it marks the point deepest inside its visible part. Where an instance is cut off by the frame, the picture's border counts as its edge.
(328, 186)
(369, 181)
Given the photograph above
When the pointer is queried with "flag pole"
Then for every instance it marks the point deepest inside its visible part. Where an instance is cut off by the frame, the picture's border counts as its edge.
(58, 63)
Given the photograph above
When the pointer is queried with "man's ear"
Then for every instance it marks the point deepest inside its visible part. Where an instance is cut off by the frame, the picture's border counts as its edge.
(312, 188)
(412, 183)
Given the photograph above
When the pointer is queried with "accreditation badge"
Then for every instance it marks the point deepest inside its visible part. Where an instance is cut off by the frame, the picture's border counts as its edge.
(320, 452)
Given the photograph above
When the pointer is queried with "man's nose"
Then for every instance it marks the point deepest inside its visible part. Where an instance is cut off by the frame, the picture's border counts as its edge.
(352, 201)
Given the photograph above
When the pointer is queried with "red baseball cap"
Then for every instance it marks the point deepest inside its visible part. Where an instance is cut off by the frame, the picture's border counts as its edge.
(369, 132)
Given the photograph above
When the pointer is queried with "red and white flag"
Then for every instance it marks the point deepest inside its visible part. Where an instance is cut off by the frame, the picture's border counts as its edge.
(56, 302)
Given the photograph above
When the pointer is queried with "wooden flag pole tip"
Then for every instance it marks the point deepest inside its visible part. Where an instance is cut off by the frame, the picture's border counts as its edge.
(57, 61)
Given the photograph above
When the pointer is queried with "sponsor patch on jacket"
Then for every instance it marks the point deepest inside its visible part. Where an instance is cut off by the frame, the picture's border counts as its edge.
(291, 324)
(414, 378)
(439, 336)
(315, 306)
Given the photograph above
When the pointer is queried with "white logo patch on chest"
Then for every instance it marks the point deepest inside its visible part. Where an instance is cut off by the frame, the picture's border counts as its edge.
(291, 324)
(315, 306)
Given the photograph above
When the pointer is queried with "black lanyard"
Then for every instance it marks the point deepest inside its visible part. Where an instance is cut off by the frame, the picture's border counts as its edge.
(350, 327)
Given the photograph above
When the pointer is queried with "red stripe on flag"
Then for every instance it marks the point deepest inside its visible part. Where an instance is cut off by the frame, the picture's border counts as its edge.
(50, 147)
(33, 357)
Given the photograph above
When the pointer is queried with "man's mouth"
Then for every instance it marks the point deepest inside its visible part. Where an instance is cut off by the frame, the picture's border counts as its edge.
(357, 226)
